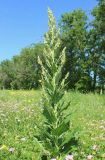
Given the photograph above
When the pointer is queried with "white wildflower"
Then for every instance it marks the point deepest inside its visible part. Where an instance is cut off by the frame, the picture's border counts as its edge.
(11, 150)
(23, 139)
(69, 157)
(89, 157)
(95, 147)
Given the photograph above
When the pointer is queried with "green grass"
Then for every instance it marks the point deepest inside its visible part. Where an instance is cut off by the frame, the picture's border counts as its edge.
(20, 113)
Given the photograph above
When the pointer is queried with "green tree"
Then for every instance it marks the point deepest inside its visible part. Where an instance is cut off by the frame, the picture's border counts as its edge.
(97, 43)
(74, 33)
(29, 72)
(22, 71)
(6, 74)
(100, 16)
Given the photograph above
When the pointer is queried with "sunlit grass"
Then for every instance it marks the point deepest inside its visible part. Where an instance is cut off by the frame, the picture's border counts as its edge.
(20, 113)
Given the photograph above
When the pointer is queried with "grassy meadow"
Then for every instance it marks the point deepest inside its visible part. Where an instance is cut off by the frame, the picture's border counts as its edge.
(20, 112)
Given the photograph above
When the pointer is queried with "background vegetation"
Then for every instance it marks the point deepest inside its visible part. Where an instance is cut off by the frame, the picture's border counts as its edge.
(85, 55)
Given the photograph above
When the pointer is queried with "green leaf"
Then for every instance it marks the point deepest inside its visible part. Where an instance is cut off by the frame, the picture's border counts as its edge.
(62, 128)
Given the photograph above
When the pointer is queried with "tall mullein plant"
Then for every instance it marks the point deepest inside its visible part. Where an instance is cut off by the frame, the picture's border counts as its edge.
(55, 133)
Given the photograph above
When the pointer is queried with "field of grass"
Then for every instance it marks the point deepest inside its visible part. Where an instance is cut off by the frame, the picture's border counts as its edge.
(20, 112)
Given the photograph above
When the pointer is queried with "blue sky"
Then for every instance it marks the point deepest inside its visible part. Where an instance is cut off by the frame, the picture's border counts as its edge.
(23, 22)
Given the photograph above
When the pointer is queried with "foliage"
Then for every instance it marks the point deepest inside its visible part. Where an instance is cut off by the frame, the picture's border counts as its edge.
(98, 34)
(23, 71)
(6, 74)
(74, 37)
(85, 55)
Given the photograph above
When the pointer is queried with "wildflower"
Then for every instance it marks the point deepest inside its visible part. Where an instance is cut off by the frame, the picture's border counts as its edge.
(89, 157)
(3, 147)
(69, 157)
(95, 148)
(23, 139)
(102, 127)
(11, 150)
(17, 119)
(103, 155)
(53, 159)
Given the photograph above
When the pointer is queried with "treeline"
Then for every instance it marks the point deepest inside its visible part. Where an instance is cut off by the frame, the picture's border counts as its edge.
(85, 55)
(22, 71)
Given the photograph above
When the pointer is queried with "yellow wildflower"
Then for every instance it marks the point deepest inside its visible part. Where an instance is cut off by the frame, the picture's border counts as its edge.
(3, 147)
